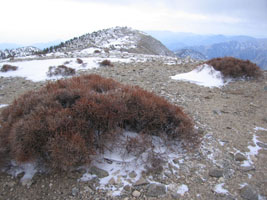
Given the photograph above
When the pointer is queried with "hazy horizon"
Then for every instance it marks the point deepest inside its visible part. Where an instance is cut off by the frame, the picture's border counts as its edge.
(36, 21)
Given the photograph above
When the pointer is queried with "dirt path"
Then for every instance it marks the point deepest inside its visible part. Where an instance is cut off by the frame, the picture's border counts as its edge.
(227, 118)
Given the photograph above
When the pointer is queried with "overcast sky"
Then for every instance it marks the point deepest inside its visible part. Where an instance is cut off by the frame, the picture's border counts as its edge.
(32, 21)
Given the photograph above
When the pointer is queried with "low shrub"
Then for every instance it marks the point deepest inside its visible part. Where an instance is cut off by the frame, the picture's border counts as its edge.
(97, 51)
(66, 122)
(79, 61)
(60, 70)
(6, 68)
(235, 68)
(106, 63)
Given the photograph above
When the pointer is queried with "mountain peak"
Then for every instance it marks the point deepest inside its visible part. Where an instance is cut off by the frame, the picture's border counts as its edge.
(123, 39)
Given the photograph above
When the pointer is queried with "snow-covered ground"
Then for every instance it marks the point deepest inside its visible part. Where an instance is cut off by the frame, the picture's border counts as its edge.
(203, 75)
(253, 149)
(219, 189)
(36, 69)
(118, 163)
(3, 105)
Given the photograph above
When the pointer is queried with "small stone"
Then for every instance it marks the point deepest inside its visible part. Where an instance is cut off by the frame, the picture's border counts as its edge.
(136, 193)
(112, 181)
(27, 182)
(11, 184)
(240, 157)
(74, 191)
(88, 189)
(156, 190)
(262, 145)
(216, 173)
(132, 174)
(127, 188)
(248, 168)
(248, 193)
(217, 112)
(119, 181)
(176, 160)
(221, 180)
(100, 173)
(265, 88)
(141, 181)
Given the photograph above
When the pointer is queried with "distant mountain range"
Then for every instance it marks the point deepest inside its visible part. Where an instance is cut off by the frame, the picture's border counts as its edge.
(124, 39)
(212, 46)
(183, 53)
(253, 50)
(4, 46)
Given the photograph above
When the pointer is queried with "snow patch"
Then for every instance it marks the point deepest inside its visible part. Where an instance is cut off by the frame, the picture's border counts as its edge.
(119, 164)
(219, 189)
(260, 129)
(253, 150)
(3, 105)
(204, 75)
(182, 189)
(29, 170)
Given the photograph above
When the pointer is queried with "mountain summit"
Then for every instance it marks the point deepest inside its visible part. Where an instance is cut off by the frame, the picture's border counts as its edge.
(121, 39)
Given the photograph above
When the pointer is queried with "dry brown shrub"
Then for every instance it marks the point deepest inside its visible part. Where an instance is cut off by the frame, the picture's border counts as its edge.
(235, 68)
(106, 63)
(67, 121)
(60, 70)
(6, 68)
(97, 51)
(79, 61)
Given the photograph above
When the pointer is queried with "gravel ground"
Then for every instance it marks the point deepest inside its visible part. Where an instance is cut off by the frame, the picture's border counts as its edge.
(226, 118)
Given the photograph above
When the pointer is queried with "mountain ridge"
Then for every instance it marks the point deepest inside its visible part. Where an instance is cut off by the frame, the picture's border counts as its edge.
(253, 50)
(122, 39)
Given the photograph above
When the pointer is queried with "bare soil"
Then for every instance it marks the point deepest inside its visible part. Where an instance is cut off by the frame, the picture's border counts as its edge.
(226, 118)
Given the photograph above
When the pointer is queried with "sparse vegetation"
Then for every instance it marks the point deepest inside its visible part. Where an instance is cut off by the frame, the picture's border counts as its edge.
(79, 61)
(60, 70)
(67, 121)
(6, 68)
(97, 51)
(106, 63)
(235, 68)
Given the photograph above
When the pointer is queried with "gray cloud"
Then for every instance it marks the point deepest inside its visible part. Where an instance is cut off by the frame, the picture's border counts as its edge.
(250, 10)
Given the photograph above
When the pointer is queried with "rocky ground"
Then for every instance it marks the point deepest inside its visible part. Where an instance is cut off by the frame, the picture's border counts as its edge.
(226, 118)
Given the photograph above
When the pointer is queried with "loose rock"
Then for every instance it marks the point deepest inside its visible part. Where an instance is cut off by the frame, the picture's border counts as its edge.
(248, 193)
(141, 181)
(216, 173)
(136, 193)
(240, 157)
(100, 173)
(156, 190)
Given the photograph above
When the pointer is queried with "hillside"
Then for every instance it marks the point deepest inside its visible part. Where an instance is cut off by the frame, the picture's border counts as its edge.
(19, 52)
(230, 162)
(183, 53)
(121, 39)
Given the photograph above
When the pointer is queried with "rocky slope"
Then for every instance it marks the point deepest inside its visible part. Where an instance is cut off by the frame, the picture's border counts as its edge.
(229, 164)
(19, 52)
(183, 53)
(122, 39)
